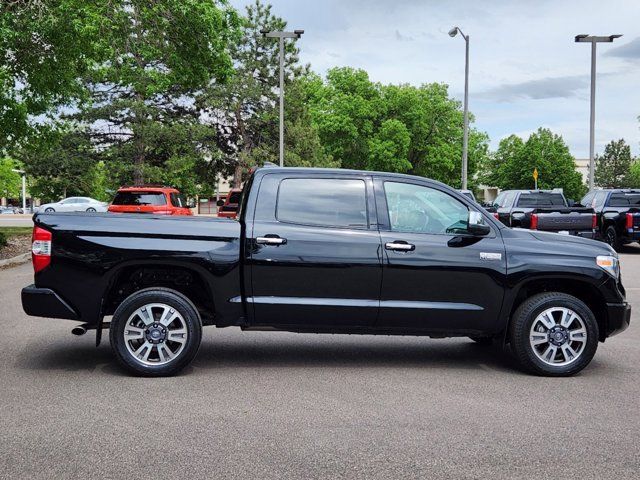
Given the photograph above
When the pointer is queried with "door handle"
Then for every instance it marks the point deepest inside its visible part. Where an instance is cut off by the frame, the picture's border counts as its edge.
(399, 246)
(271, 240)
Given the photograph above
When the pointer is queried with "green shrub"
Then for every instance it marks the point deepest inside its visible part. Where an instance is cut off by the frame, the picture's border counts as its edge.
(3, 240)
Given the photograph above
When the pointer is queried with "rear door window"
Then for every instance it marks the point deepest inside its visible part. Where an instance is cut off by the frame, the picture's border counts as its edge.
(324, 202)
(140, 198)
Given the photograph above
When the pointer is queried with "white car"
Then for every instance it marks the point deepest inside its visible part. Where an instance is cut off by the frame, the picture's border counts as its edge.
(74, 204)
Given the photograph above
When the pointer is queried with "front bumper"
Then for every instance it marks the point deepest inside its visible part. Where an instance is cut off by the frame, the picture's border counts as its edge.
(44, 302)
(619, 318)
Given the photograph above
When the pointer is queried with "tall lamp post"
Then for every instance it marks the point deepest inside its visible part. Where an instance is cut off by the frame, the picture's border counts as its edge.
(281, 36)
(465, 138)
(24, 189)
(584, 38)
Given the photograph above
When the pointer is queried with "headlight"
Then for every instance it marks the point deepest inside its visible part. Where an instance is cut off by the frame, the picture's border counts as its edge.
(610, 264)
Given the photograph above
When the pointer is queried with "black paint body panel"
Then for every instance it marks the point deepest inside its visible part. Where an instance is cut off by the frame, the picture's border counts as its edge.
(323, 279)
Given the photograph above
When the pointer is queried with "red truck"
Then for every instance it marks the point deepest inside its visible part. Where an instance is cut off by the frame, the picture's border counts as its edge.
(157, 200)
(228, 207)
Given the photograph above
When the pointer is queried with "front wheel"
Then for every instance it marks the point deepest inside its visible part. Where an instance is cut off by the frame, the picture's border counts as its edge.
(49, 210)
(155, 332)
(554, 334)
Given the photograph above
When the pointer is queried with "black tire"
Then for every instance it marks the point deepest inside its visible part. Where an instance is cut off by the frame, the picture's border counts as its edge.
(176, 301)
(611, 237)
(49, 210)
(484, 341)
(91, 210)
(523, 320)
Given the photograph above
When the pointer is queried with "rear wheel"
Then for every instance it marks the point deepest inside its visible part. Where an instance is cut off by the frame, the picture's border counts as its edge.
(611, 237)
(155, 332)
(91, 210)
(554, 334)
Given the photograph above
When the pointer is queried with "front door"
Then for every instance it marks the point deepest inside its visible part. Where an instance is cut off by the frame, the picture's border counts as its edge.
(436, 276)
(315, 254)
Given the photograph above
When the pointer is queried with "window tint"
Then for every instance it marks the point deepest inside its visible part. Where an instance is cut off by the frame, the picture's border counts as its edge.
(509, 198)
(82, 200)
(235, 197)
(324, 202)
(69, 200)
(624, 200)
(541, 199)
(420, 209)
(177, 200)
(599, 199)
(587, 200)
(139, 198)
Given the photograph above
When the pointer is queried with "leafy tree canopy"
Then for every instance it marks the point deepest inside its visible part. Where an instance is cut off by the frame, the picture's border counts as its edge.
(512, 165)
(10, 181)
(613, 167)
(398, 128)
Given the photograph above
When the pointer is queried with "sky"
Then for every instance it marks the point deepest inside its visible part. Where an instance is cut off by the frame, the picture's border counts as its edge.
(526, 71)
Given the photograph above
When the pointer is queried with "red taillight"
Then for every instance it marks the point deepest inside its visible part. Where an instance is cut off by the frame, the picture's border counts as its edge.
(496, 215)
(534, 222)
(40, 248)
(630, 221)
(594, 221)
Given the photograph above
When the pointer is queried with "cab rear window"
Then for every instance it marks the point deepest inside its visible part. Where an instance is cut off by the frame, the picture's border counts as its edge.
(625, 200)
(139, 198)
(541, 200)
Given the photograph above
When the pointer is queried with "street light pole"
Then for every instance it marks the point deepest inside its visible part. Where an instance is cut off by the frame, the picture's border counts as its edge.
(583, 38)
(281, 36)
(465, 135)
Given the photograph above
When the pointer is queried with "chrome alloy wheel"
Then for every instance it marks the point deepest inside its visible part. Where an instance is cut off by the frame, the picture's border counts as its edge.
(558, 336)
(155, 334)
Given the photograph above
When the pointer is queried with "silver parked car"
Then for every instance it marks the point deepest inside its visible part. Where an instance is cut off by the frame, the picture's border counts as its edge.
(74, 204)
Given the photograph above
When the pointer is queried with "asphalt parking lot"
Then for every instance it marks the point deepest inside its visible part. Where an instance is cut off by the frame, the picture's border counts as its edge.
(279, 405)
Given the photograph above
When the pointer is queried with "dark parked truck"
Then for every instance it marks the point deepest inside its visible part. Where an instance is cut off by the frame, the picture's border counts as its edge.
(544, 210)
(618, 215)
(328, 251)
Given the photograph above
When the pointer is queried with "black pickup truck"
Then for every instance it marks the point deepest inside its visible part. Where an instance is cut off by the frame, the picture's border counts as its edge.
(544, 210)
(328, 251)
(618, 215)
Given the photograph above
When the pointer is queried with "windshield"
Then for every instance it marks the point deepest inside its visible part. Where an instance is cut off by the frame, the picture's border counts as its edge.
(139, 198)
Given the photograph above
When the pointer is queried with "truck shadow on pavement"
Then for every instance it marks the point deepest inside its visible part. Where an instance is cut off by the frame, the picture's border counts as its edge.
(221, 354)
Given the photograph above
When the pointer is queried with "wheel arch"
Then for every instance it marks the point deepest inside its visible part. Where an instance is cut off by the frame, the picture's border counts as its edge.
(186, 279)
(583, 290)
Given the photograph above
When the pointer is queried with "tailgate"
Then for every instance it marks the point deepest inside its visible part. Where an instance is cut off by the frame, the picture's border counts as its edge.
(564, 220)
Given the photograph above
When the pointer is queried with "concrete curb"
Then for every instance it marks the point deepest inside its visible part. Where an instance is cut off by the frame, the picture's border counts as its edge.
(18, 260)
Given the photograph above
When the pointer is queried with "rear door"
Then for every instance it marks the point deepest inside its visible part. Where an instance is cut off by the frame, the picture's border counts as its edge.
(436, 276)
(314, 252)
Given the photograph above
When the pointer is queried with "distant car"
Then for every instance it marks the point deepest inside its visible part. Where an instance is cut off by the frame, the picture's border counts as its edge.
(74, 204)
(229, 206)
(156, 200)
(8, 210)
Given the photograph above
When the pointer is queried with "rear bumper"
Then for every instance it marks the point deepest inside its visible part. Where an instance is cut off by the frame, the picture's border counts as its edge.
(44, 302)
(585, 234)
(619, 315)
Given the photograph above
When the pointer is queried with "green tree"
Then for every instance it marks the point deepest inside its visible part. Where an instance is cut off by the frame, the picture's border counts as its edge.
(244, 110)
(61, 162)
(512, 165)
(141, 113)
(399, 128)
(45, 47)
(634, 174)
(10, 181)
(612, 168)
